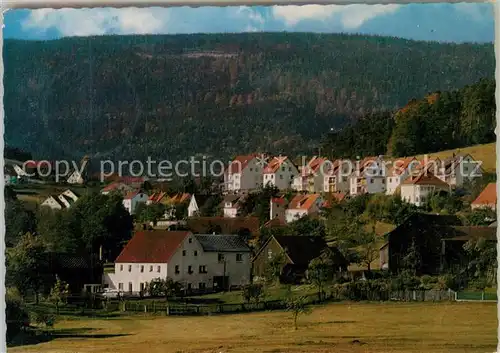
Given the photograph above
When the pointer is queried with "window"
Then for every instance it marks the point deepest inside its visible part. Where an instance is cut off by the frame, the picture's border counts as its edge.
(142, 287)
(183, 252)
(390, 180)
(290, 169)
(383, 181)
(190, 240)
(269, 254)
(195, 253)
(282, 169)
(130, 287)
(221, 257)
(129, 268)
(371, 181)
(121, 267)
(189, 286)
(239, 257)
(251, 169)
(176, 269)
(190, 269)
(201, 285)
(158, 269)
(151, 268)
(120, 286)
(142, 268)
(281, 177)
(202, 269)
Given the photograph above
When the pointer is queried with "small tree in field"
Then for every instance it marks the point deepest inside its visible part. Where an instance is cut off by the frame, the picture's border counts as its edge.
(59, 294)
(297, 306)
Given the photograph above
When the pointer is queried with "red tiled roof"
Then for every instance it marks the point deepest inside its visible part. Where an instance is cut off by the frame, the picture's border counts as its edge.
(303, 202)
(424, 179)
(339, 196)
(488, 196)
(275, 164)
(152, 246)
(112, 186)
(279, 200)
(240, 162)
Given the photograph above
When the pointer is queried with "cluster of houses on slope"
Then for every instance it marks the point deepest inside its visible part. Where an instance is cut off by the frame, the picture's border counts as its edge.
(414, 179)
(61, 201)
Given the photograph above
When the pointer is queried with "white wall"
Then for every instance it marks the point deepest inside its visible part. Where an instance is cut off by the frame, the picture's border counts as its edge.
(277, 210)
(292, 215)
(230, 212)
(193, 207)
(283, 178)
(418, 194)
(126, 273)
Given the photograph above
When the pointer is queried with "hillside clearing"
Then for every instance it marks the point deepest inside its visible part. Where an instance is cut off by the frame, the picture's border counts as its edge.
(390, 327)
(485, 153)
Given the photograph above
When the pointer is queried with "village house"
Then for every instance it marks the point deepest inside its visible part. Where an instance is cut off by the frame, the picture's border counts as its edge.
(195, 203)
(303, 205)
(298, 251)
(157, 197)
(311, 176)
(64, 200)
(198, 261)
(336, 179)
(132, 199)
(398, 171)
(231, 205)
(280, 172)
(244, 174)
(424, 232)
(277, 208)
(368, 176)
(487, 198)
(79, 174)
(458, 169)
(417, 189)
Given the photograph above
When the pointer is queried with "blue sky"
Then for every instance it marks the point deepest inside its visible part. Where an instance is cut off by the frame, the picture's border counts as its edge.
(462, 22)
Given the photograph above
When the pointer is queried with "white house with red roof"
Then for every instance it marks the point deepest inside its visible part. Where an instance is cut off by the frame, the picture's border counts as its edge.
(134, 198)
(458, 169)
(303, 205)
(311, 176)
(277, 208)
(244, 174)
(197, 261)
(417, 189)
(368, 176)
(398, 171)
(280, 172)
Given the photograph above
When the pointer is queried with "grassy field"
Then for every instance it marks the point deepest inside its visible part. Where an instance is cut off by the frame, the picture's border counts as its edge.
(485, 153)
(343, 327)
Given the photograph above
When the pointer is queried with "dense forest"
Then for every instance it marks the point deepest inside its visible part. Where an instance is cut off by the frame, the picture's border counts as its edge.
(439, 121)
(173, 96)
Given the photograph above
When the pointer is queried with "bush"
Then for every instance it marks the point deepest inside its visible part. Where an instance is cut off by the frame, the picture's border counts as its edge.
(16, 317)
(253, 291)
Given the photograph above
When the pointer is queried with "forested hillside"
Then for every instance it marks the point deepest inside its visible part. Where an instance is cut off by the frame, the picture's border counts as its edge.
(218, 94)
(439, 121)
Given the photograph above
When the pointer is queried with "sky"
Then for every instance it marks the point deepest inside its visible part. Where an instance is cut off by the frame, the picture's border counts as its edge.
(460, 22)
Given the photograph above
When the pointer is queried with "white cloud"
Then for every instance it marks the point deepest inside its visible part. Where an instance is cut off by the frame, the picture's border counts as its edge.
(84, 22)
(350, 16)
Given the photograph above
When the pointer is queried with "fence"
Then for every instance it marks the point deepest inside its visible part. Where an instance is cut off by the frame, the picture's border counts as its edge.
(476, 296)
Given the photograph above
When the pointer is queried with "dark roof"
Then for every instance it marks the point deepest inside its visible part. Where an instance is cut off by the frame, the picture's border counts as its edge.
(201, 199)
(72, 261)
(152, 246)
(301, 249)
(230, 198)
(202, 225)
(222, 243)
(465, 233)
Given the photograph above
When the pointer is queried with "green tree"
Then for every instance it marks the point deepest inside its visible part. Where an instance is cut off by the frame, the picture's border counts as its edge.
(28, 266)
(18, 221)
(297, 306)
(274, 268)
(167, 288)
(253, 291)
(59, 294)
(320, 272)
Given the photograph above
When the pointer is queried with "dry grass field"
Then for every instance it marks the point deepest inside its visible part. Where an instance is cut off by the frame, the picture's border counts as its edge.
(342, 327)
(485, 153)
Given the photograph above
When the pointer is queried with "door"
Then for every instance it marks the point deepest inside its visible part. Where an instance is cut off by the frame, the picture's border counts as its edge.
(221, 282)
